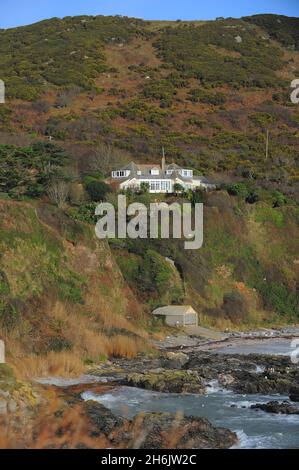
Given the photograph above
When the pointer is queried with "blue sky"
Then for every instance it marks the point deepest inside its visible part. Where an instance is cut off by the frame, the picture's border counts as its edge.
(20, 12)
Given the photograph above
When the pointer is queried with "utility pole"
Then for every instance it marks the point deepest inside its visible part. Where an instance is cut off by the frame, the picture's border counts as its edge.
(267, 143)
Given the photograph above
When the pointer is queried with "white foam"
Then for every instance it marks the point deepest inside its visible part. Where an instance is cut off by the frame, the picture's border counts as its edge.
(260, 369)
(213, 387)
(104, 399)
(243, 440)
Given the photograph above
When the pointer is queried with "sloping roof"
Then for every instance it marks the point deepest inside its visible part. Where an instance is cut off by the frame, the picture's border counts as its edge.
(174, 310)
(130, 166)
(173, 166)
(143, 168)
(203, 179)
(142, 171)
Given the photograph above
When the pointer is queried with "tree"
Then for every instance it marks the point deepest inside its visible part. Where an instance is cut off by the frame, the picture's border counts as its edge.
(106, 158)
(97, 190)
(144, 188)
(197, 197)
(58, 192)
(178, 188)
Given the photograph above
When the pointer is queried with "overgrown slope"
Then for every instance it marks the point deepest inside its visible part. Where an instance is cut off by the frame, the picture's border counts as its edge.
(63, 300)
(246, 273)
(207, 91)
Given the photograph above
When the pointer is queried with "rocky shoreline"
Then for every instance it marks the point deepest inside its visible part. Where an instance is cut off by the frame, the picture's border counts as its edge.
(191, 373)
(173, 371)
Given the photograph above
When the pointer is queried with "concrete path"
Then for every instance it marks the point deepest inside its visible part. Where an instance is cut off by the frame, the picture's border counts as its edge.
(205, 333)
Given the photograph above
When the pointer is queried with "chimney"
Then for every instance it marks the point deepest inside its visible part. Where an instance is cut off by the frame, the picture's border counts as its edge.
(163, 160)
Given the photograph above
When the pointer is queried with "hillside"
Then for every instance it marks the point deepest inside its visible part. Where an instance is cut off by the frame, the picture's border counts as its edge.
(68, 299)
(245, 274)
(106, 90)
(207, 91)
(63, 302)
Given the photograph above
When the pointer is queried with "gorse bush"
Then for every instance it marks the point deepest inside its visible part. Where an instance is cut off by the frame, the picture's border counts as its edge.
(61, 52)
(247, 62)
(200, 95)
(281, 28)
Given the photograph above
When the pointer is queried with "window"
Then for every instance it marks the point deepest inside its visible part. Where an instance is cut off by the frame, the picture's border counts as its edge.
(120, 173)
(165, 186)
(187, 173)
(155, 171)
(155, 186)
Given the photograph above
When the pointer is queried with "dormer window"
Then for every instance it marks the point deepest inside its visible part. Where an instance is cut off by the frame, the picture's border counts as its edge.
(155, 171)
(139, 172)
(120, 173)
(187, 173)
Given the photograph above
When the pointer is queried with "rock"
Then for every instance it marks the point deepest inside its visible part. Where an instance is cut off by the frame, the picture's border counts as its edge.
(4, 394)
(294, 393)
(157, 430)
(176, 360)
(166, 380)
(164, 430)
(226, 380)
(104, 421)
(276, 408)
(3, 407)
(12, 406)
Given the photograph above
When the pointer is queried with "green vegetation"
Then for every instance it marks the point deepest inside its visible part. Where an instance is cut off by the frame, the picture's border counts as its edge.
(245, 273)
(248, 61)
(202, 90)
(51, 296)
(151, 276)
(200, 95)
(60, 52)
(281, 28)
(129, 83)
(97, 190)
(27, 171)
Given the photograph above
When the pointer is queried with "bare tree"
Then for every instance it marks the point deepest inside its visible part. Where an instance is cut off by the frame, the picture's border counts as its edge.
(107, 158)
(58, 192)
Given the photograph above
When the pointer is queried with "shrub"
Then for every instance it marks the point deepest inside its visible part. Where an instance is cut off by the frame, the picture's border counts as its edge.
(97, 190)
(197, 197)
(237, 189)
(85, 213)
(200, 95)
(235, 306)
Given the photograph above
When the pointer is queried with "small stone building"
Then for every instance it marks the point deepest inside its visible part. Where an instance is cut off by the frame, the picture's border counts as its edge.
(178, 315)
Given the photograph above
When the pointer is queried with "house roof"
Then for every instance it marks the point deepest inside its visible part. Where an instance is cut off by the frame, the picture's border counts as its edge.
(203, 179)
(174, 310)
(142, 171)
(173, 166)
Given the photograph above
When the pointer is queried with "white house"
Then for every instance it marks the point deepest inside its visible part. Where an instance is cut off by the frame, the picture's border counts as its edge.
(160, 179)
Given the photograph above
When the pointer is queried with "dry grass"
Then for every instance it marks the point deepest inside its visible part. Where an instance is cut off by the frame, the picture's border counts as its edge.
(53, 363)
(124, 346)
(87, 336)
